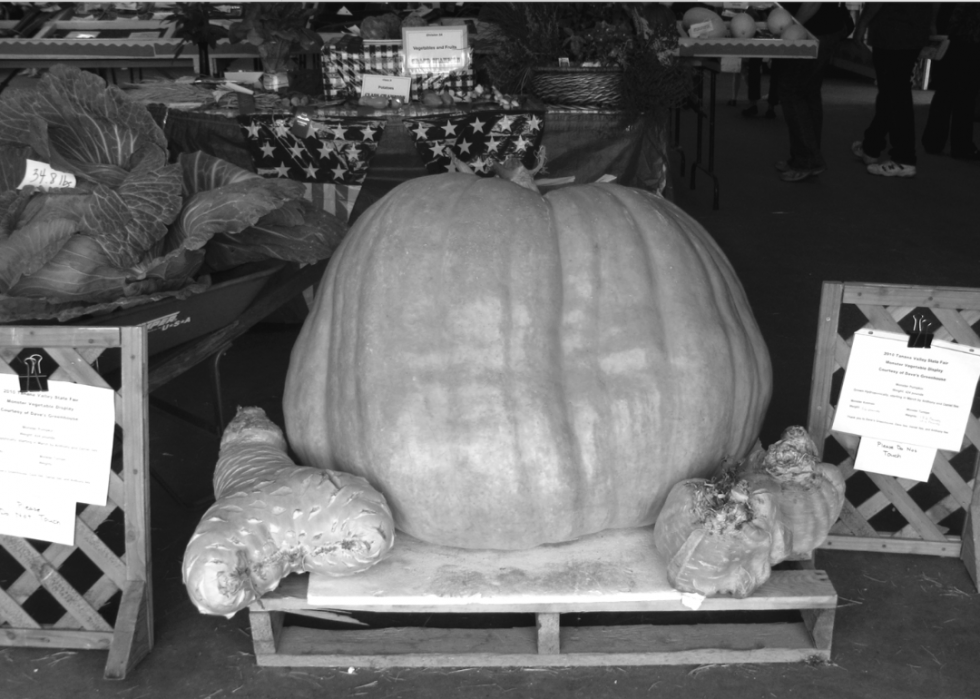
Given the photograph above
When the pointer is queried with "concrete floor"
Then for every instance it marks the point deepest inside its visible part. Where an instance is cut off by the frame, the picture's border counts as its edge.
(906, 626)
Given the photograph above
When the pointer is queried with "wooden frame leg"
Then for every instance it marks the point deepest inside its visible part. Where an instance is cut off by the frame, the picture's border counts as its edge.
(132, 637)
(969, 553)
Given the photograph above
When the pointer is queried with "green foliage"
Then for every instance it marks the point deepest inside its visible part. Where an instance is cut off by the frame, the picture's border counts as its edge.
(268, 22)
(192, 22)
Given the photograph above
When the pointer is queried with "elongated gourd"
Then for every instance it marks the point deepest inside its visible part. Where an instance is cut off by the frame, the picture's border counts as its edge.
(272, 518)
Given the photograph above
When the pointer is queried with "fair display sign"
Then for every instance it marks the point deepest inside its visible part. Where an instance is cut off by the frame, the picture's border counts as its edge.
(436, 50)
(391, 86)
(55, 445)
(908, 401)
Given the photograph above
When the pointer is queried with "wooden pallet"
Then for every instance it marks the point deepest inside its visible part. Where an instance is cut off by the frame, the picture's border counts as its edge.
(42, 568)
(876, 502)
(612, 572)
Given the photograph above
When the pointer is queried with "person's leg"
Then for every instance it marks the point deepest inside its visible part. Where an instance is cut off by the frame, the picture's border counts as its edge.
(936, 132)
(876, 134)
(825, 54)
(967, 84)
(753, 84)
(795, 78)
(895, 88)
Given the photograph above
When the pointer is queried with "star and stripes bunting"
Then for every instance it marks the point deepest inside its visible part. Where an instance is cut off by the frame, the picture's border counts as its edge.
(330, 157)
(478, 139)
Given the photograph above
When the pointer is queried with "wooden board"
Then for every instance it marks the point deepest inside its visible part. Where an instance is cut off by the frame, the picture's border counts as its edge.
(875, 502)
(123, 578)
(615, 571)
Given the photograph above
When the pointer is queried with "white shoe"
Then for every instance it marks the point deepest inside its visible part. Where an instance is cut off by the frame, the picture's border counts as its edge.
(891, 169)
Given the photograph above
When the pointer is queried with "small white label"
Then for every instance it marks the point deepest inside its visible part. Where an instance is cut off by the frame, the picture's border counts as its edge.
(700, 29)
(43, 176)
(386, 86)
(692, 600)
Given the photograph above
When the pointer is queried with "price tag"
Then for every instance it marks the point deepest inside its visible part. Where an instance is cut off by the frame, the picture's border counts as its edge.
(43, 176)
(696, 31)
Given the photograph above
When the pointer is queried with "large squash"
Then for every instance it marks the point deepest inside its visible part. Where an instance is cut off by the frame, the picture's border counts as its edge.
(511, 369)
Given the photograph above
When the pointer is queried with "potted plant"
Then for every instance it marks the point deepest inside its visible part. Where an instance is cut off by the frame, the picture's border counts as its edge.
(277, 29)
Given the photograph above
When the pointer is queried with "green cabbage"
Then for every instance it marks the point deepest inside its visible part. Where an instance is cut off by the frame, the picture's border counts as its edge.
(134, 227)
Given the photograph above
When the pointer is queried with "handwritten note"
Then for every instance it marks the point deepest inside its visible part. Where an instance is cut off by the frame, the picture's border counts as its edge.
(911, 396)
(895, 459)
(56, 443)
(43, 176)
(38, 517)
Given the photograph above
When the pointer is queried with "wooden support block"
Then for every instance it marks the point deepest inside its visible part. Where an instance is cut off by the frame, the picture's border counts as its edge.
(266, 630)
(820, 624)
(548, 634)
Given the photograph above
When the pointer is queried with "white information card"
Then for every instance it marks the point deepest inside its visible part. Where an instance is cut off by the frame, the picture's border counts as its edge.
(435, 50)
(908, 401)
(56, 443)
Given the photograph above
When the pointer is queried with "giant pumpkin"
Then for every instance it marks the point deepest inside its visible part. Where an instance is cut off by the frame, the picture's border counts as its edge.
(512, 369)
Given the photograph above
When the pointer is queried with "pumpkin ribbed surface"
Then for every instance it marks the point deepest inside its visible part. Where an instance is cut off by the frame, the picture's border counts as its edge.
(511, 369)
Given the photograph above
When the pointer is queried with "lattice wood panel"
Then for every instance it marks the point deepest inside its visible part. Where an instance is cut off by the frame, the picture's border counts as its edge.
(884, 513)
(95, 594)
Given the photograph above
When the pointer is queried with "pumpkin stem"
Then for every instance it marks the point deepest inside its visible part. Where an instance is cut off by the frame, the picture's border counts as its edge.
(462, 167)
(512, 169)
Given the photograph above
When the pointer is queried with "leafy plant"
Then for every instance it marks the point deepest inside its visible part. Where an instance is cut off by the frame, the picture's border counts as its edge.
(267, 22)
(192, 24)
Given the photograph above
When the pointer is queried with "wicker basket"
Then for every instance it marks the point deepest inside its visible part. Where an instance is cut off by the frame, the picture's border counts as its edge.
(580, 87)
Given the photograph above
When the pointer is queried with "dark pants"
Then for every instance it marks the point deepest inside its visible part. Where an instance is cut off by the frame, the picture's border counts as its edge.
(799, 82)
(753, 82)
(894, 120)
(957, 83)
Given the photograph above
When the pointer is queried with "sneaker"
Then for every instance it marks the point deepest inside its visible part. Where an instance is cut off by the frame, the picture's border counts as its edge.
(891, 169)
(781, 165)
(799, 175)
(858, 149)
